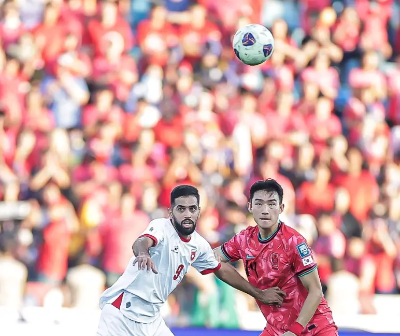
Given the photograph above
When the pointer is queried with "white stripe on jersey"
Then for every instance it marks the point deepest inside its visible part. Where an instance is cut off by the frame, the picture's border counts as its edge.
(146, 292)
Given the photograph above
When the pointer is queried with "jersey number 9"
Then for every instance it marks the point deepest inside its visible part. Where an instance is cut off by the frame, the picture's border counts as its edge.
(178, 271)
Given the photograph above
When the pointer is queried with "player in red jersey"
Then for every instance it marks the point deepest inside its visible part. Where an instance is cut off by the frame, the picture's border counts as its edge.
(278, 257)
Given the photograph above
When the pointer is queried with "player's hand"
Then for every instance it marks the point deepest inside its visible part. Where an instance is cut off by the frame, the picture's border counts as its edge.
(144, 262)
(272, 296)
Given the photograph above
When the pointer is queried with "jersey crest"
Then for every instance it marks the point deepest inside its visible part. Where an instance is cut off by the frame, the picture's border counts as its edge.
(192, 255)
(274, 259)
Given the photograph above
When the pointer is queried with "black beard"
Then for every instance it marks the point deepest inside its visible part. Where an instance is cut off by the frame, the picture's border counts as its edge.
(181, 230)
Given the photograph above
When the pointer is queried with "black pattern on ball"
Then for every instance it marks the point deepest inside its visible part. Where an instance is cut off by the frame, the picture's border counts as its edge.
(237, 54)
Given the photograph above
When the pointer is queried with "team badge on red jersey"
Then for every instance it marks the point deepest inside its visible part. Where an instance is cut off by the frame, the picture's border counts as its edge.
(274, 259)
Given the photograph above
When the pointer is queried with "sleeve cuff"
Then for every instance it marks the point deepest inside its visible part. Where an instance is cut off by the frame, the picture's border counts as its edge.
(225, 253)
(151, 237)
(211, 270)
(307, 271)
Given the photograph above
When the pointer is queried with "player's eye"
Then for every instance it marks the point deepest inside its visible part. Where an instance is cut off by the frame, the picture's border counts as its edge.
(193, 209)
(180, 209)
(258, 204)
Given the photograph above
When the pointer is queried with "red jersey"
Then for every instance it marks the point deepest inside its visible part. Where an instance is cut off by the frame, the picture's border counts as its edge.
(279, 260)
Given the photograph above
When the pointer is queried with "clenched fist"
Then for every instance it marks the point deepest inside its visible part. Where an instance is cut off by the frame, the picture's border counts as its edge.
(272, 296)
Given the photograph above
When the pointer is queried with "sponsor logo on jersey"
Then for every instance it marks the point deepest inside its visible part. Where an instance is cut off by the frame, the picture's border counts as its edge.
(303, 250)
(175, 249)
(151, 229)
(128, 304)
(307, 260)
(249, 257)
(274, 259)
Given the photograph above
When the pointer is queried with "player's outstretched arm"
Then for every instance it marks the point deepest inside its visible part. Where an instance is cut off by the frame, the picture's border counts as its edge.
(141, 249)
(313, 285)
(270, 296)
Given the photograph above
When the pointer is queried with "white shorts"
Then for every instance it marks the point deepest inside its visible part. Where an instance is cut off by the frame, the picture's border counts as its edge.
(114, 323)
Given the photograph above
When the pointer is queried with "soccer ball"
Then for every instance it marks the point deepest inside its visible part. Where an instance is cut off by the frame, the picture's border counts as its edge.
(253, 44)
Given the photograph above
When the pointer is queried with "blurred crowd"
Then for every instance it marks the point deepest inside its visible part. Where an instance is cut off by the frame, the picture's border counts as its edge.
(107, 105)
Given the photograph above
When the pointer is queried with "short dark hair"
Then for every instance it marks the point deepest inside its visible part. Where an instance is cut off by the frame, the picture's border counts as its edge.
(267, 185)
(184, 190)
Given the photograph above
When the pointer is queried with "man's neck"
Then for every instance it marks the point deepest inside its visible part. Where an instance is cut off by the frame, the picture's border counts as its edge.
(320, 184)
(266, 233)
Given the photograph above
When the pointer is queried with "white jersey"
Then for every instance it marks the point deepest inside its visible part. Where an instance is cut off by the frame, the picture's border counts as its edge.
(144, 291)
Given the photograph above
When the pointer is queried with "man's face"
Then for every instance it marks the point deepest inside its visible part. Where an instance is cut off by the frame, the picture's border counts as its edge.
(185, 213)
(265, 208)
(109, 11)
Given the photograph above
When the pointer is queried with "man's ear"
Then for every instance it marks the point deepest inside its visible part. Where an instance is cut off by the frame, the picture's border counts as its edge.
(198, 216)
(281, 207)
(249, 207)
(170, 212)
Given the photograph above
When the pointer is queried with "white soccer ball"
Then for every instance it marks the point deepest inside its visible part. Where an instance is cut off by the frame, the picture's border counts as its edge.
(253, 44)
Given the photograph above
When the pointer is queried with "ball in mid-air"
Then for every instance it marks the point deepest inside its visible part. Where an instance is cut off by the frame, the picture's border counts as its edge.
(253, 44)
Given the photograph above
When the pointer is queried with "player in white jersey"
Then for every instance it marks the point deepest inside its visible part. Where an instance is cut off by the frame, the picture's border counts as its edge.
(164, 253)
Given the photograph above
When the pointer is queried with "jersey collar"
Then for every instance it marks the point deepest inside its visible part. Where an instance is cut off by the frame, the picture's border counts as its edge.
(272, 236)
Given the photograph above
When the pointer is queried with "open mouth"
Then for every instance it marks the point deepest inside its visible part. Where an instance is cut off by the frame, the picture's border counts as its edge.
(187, 224)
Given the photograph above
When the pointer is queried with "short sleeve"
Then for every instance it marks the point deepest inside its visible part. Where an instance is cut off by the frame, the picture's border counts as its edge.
(231, 248)
(206, 262)
(155, 231)
(303, 259)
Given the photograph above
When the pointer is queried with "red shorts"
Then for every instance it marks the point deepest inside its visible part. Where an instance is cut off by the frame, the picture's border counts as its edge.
(326, 330)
